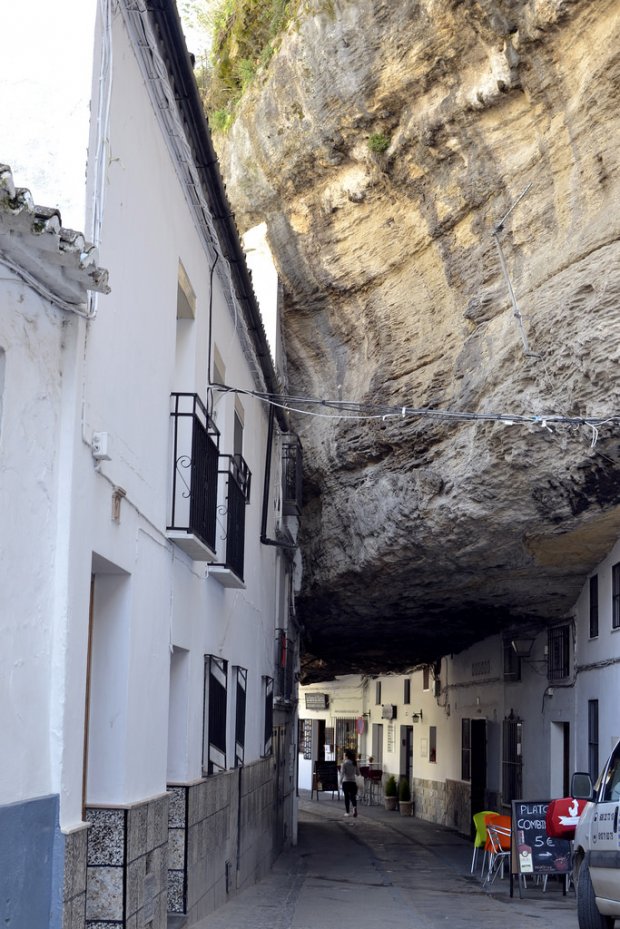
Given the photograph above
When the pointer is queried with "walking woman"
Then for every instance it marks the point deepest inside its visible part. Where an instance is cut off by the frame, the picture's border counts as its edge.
(348, 771)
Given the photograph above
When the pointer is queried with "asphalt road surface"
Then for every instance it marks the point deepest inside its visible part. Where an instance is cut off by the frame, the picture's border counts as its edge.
(382, 871)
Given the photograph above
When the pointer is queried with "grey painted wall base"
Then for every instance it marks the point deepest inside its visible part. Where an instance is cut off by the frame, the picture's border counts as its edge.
(31, 865)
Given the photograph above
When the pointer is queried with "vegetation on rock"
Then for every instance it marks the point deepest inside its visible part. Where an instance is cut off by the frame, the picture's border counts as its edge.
(243, 36)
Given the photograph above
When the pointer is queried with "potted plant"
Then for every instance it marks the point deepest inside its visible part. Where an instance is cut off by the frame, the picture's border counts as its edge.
(391, 793)
(405, 803)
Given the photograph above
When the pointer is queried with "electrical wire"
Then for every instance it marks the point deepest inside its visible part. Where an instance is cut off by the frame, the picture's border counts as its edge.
(344, 409)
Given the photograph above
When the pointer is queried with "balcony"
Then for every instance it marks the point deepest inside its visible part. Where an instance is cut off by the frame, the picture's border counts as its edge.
(195, 457)
(237, 479)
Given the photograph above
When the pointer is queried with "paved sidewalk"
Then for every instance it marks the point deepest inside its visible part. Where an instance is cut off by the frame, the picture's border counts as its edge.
(384, 871)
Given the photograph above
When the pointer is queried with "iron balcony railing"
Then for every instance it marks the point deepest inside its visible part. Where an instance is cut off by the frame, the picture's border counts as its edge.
(195, 455)
(238, 480)
(291, 476)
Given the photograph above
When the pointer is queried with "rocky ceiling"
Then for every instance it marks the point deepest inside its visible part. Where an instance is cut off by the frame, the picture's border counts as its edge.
(381, 147)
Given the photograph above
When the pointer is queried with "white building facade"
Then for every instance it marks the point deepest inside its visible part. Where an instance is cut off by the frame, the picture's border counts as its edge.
(510, 718)
(153, 495)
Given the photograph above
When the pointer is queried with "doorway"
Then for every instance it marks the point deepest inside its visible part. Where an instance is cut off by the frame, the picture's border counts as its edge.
(406, 752)
(560, 759)
(478, 765)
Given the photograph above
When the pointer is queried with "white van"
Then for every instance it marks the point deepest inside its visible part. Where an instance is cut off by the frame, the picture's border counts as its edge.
(596, 848)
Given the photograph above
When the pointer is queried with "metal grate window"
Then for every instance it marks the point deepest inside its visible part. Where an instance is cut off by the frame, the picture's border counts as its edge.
(615, 600)
(407, 690)
(594, 606)
(558, 654)
(237, 497)
(512, 760)
(291, 476)
(465, 749)
(214, 714)
(593, 738)
(512, 662)
(378, 693)
(242, 684)
(268, 732)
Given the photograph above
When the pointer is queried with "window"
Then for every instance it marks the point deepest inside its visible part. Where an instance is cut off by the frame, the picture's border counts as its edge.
(238, 429)
(426, 678)
(512, 662)
(558, 653)
(214, 715)
(378, 693)
(268, 733)
(241, 690)
(465, 749)
(432, 743)
(186, 298)
(377, 743)
(594, 606)
(407, 690)
(593, 738)
(615, 614)
(512, 759)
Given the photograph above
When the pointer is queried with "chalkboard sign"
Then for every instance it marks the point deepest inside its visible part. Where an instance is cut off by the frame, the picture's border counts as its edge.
(533, 850)
(325, 776)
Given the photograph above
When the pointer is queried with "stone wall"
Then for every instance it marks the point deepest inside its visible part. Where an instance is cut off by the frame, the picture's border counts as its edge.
(221, 837)
(443, 802)
(127, 865)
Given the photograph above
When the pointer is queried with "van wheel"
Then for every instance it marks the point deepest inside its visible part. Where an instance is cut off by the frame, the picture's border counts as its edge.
(587, 912)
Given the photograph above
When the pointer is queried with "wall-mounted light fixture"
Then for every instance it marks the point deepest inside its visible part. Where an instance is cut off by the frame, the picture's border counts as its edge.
(416, 717)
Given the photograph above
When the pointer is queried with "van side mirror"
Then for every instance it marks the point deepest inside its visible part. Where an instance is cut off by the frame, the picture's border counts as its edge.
(581, 787)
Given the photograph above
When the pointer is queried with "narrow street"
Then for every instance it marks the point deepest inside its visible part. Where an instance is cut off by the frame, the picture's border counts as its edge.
(382, 870)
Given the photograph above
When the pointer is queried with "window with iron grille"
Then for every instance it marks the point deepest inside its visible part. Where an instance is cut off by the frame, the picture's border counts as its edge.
(615, 614)
(512, 760)
(558, 653)
(465, 749)
(512, 662)
(268, 731)
(407, 690)
(426, 678)
(241, 676)
(594, 606)
(238, 482)
(214, 714)
(593, 738)
(378, 693)
(432, 743)
(291, 476)
(284, 681)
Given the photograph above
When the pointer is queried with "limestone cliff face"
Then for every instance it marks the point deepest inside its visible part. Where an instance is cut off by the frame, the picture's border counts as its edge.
(420, 534)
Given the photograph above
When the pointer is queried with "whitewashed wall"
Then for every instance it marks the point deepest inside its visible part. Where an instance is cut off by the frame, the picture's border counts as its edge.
(598, 663)
(33, 407)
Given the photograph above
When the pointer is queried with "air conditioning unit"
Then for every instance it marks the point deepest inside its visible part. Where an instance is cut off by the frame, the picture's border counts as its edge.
(388, 711)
